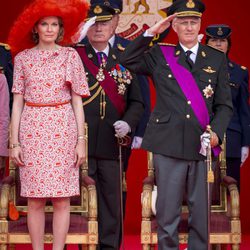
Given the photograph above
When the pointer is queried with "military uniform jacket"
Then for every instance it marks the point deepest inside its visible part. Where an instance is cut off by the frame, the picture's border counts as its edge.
(102, 142)
(173, 130)
(238, 132)
(145, 91)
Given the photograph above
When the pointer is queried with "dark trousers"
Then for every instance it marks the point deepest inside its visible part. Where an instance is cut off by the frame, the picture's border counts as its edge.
(173, 176)
(106, 173)
(233, 169)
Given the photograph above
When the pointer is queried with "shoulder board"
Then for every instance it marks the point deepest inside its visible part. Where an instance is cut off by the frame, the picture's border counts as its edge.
(5, 45)
(80, 45)
(120, 47)
(214, 48)
(166, 44)
(243, 67)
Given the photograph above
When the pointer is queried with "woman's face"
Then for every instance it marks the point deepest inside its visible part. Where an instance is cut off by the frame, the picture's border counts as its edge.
(47, 29)
(219, 43)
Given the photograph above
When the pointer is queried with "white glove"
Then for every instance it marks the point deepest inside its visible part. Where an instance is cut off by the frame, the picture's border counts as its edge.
(200, 36)
(244, 154)
(205, 142)
(121, 128)
(136, 143)
(83, 29)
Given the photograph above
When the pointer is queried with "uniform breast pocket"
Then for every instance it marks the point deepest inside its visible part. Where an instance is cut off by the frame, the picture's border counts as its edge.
(208, 79)
(159, 118)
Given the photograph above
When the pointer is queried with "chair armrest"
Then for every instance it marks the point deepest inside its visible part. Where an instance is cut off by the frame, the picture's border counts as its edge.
(89, 184)
(5, 196)
(146, 198)
(231, 185)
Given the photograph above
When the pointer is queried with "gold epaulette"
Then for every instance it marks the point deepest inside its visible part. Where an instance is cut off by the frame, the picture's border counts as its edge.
(166, 44)
(120, 47)
(243, 67)
(5, 45)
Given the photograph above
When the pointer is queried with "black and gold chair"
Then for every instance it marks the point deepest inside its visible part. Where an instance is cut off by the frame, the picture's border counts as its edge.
(83, 229)
(225, 226)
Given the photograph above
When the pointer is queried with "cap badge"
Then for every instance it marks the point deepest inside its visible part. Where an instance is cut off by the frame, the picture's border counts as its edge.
(190, 4)
(219, 32)
(97, 9)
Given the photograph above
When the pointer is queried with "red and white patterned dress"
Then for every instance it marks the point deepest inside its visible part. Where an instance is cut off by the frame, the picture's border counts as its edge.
(48, 135)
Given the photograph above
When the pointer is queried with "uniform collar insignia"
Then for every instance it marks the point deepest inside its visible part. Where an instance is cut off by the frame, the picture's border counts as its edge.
(203, 54)
(230, 65)
(90, 55)
(209, 70)
(177, 52)
(114, 56)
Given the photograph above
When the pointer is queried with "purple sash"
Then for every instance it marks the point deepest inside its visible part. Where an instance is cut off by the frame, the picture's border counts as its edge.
(190, 89)
(108, 84)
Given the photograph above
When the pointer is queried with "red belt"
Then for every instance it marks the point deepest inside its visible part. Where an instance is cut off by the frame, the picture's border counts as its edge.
(31, 104)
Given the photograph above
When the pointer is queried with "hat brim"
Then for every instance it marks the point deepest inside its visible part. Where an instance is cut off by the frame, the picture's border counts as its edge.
(72, 13)
(101, 18)
(188, 14)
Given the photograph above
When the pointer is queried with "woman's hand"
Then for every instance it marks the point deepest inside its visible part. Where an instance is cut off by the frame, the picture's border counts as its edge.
(16, 155)
(80, 154)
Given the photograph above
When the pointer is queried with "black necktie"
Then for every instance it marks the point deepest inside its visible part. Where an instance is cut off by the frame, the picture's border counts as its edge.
(188, 59)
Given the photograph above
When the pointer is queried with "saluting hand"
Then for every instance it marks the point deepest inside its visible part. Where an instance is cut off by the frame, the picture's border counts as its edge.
(161, 26)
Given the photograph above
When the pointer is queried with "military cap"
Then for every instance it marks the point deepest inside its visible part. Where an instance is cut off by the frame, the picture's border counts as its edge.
(185, 8)
(101, 11)
(115, 4)
(219, 31)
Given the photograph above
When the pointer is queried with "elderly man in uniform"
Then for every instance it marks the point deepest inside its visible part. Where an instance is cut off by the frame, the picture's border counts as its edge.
(238, 131)
(112, 113)
(119, 42)
(192, 92)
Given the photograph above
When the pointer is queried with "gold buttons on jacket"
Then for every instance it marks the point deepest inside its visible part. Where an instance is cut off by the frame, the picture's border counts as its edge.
(169, 76)
(157, 120)
(189, 102)
(188, 116)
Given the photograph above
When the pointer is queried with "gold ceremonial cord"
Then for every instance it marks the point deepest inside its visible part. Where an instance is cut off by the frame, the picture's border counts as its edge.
(93, 96)
(94, 86)
(102, 104)
(210, 173)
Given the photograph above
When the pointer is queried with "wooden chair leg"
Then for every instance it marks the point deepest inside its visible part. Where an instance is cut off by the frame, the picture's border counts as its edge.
(146, 247)
(235, 246)
(12, 247)
(3, 247)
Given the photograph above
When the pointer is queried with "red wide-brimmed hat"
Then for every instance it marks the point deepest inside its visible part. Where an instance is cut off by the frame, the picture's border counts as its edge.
(72, 12)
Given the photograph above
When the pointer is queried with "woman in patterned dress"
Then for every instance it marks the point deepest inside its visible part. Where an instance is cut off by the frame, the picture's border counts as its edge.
(47, 132)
